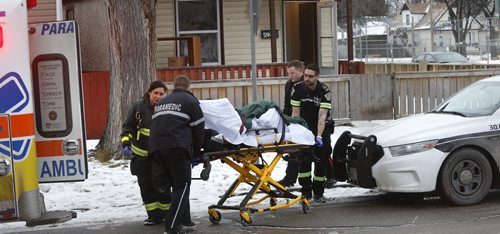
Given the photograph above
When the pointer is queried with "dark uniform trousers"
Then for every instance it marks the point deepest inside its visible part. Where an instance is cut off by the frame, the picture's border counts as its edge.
(177, 166)
(316, 186)
(292, 170)
(155, 192)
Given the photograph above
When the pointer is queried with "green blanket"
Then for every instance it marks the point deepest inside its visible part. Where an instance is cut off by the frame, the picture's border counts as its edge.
(257, 108)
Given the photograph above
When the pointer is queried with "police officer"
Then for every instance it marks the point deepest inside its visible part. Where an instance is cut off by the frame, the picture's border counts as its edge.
(311, 100)
(177, 133)
(295, 70)
(135, 140)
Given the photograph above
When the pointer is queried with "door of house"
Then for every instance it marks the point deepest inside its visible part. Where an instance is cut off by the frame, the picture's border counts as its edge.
(301, 36)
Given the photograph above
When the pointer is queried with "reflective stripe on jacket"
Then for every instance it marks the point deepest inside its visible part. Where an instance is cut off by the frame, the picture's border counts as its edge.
(136, 127)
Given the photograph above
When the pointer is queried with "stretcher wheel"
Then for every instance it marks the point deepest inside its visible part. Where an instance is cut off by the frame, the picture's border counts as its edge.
(305, 206)
(272, 201)
(214, 216)
(245, 219)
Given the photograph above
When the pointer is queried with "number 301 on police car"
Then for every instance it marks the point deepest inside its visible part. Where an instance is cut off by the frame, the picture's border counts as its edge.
(494, 127)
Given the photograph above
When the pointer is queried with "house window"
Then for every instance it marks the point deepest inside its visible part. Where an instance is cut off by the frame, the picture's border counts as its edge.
(470, 38)
(407, 19)
(200, 18)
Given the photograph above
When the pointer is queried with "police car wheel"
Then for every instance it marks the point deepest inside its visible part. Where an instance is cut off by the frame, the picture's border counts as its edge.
(465, 177)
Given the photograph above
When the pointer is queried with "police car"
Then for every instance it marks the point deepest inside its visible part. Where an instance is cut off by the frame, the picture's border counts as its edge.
(453, 150)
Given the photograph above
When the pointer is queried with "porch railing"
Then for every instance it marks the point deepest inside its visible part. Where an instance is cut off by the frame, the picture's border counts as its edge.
(223, 72)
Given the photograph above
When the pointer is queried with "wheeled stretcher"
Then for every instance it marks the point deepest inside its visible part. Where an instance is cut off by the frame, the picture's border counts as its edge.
(268, 132)
(255, 171)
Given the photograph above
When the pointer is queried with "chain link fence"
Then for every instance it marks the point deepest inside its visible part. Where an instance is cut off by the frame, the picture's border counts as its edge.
(386, 41)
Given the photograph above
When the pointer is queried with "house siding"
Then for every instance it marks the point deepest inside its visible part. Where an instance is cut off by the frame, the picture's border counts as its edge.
(165, 27)
(92, 18)
(236, 32)
(327, 37)
(237, 48)
(44, 11)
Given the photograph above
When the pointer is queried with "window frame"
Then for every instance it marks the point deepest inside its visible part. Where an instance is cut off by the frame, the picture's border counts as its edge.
(211, 31)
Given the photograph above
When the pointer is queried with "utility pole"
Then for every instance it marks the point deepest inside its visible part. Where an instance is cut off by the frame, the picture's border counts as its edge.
(335, 39)
(272, 21)
(350, 56)
(252, 49)
(432, 25)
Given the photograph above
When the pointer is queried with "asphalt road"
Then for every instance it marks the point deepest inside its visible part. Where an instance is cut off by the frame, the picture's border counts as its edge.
(374, 214)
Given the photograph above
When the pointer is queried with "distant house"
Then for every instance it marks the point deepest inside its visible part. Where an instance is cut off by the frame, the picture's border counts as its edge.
(412, 13)
(370, 37)
(425, 27)
(432, 24)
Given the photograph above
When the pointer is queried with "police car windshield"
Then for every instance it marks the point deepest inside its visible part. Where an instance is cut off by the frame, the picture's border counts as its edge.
(479, 99)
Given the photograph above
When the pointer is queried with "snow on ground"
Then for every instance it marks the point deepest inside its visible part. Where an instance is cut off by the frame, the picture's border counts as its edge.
(111, 194)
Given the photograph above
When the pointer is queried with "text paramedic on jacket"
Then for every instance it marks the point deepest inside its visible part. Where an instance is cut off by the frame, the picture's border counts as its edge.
(135, 139)
(177, 133)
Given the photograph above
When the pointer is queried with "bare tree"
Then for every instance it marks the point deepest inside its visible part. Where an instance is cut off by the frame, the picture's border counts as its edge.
(361, 8)
(394, 6)
(463, 13)
(133, 54)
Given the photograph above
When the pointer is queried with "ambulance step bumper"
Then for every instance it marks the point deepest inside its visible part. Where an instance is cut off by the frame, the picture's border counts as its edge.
(51, 217)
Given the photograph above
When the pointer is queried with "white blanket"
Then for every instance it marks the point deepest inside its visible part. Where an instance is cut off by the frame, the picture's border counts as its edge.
(221, 116)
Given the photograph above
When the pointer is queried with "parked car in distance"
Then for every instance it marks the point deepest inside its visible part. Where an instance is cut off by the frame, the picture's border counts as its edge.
(441, 57)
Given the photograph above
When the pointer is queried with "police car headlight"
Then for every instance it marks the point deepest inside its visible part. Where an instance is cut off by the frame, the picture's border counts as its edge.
(402, 150)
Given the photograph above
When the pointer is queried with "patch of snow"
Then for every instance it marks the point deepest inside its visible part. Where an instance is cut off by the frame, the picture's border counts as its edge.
(111, 194)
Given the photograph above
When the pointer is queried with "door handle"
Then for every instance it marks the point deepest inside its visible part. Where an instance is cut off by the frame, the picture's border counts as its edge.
(4, 167)
(71, 147)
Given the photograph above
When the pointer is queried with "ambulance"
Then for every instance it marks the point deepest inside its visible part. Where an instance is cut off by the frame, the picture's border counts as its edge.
(42, 131)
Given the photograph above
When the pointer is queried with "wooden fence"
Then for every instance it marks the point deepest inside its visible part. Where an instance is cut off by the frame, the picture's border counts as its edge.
(370, 97)
(96, 99)
(419, 92)
(239, 92)
(389, 68)
(354, 97)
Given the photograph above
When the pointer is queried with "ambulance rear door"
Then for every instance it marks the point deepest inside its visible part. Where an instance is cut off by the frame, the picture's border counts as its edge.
(58, 96)
(16, 113)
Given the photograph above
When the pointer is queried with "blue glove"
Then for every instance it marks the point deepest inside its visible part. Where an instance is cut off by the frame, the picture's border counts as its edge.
(194, 163)
(127, 151)
(319, 141)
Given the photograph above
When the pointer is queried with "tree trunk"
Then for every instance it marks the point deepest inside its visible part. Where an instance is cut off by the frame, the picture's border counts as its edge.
(133, 54)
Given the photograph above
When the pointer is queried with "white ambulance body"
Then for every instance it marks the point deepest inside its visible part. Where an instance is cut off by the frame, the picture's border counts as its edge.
(42, 132)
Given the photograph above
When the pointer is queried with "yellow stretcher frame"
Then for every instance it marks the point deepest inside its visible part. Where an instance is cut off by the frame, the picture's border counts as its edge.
(257, 175)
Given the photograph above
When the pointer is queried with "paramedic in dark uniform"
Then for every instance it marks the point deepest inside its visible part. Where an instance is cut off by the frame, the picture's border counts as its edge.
(177, 133)
(295, 70)
(135, 140)
(311, 100)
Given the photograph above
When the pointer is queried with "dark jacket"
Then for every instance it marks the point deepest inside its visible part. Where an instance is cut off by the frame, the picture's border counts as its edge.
(310, 101)
(177, 123)
(287, 109)
(135, 129)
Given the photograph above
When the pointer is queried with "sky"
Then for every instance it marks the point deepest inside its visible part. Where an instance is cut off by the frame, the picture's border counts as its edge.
(111, 194)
